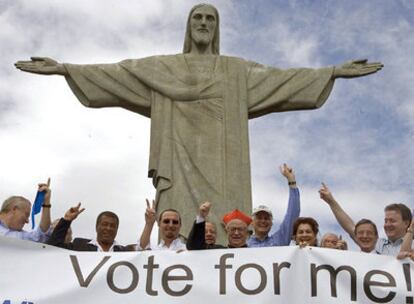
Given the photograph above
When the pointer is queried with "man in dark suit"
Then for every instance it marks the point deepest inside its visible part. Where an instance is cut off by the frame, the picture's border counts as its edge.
(107, 224)
(236, 227)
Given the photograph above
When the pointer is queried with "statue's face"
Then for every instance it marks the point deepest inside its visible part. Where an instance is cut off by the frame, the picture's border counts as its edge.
(203, 23)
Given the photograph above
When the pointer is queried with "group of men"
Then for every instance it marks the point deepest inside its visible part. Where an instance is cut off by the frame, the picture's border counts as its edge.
(202, 236)
(398, 226)
(236, 223)
(15, 214)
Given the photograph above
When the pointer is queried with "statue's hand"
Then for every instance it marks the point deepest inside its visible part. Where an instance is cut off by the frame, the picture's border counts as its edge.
(357, 68)
(41, 65)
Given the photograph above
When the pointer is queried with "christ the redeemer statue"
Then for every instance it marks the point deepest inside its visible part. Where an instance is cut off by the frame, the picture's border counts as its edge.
(199, 103)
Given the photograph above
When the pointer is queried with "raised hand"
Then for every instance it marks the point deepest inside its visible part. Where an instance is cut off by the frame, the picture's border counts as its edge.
(150, 213)
(326, 194)
(341, 244)
(204, 210)
(287, 172)
(45, 187)
(357, 68)
(41, 65)
(45, 219)
(404, 254)
(73, 212)
(411, 227)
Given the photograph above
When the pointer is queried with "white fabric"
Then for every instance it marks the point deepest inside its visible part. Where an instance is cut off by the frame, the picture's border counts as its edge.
(200, 219)
(387, 247)
(177, 244)
(36, 235)
(95, 243)
(226, 276)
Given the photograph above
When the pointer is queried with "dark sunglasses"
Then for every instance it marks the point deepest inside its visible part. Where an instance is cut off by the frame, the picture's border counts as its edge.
(167, 221)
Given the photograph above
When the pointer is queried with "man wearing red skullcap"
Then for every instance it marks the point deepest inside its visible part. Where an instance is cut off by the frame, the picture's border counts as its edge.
(236, 227)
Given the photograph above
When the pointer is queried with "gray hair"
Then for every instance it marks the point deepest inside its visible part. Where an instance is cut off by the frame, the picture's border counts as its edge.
(14, 201)
(326, 235)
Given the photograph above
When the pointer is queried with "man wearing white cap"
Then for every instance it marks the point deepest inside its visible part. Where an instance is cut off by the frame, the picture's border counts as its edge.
(263, 217)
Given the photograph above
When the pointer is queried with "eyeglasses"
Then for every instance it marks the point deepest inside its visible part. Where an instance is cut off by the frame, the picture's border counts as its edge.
(237, 229)
(168, 221)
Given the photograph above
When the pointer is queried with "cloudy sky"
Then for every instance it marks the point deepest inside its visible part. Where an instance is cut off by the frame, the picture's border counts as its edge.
(361, 142)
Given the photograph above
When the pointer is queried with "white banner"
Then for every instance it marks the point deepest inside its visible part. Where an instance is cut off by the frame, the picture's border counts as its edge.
(40, 274)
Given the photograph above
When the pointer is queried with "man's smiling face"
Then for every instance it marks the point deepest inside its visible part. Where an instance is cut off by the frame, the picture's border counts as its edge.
(394, 226)
(106, 230)
(262, 223)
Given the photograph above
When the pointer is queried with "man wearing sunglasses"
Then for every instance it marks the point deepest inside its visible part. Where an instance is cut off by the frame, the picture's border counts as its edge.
(169, 224)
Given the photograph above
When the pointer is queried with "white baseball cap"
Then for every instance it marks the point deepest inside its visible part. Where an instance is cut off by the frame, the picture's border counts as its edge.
(262, 208)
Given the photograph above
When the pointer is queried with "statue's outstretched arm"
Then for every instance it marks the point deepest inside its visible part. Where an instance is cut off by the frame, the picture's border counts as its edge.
(42, 65)
(357, 68)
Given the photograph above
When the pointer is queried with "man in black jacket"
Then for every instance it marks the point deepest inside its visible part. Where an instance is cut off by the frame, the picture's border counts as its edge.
(107, 224)
(236, 227)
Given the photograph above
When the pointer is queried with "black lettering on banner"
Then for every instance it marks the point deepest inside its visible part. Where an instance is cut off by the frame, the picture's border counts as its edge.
(166, 277)
(368, 283)
(150, 266)
(78, 272)
(407, 276)
(263, 279)
(333, 275)
(276, 275)
(110, 277)
(223, 266)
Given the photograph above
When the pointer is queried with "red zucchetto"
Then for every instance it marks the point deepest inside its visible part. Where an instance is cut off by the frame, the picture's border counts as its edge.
(236, 214)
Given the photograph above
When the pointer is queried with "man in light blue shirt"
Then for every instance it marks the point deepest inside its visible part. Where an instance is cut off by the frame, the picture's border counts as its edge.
(15, 212)
(262, 218)
(397, 219)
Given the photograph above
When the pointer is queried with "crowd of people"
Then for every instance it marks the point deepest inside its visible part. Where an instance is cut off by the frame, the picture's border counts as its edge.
(293, 230)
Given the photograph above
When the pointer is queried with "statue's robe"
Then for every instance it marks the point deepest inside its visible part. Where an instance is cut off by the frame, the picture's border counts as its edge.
(199, 147)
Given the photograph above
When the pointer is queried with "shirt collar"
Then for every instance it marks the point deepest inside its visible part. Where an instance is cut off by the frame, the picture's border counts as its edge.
(259, 240)
(244, 246)
(395, 243)
(172, 245)
(95, 243)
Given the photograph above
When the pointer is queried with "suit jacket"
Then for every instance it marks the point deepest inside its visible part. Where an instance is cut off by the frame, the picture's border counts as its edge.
(196, 239)
(79, 244)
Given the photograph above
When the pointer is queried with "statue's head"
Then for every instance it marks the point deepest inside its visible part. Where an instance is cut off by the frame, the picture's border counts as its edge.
(203, 28)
